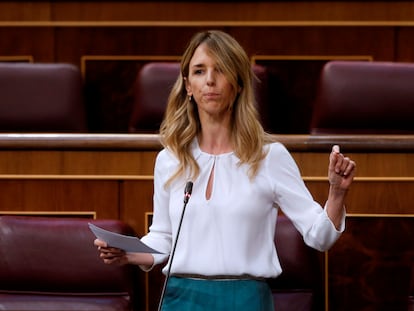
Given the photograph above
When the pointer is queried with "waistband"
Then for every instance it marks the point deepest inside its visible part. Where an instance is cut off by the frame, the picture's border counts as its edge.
(223, 277)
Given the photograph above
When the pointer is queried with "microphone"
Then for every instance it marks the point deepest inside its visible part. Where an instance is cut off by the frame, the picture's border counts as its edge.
(187, 194)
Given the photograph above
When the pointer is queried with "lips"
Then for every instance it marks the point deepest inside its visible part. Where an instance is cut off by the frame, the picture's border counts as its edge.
(211, 95)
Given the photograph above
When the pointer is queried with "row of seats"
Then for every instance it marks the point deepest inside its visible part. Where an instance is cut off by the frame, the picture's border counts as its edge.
(353, 97)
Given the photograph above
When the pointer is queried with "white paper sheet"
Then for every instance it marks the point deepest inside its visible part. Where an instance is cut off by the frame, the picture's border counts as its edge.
(124, 242)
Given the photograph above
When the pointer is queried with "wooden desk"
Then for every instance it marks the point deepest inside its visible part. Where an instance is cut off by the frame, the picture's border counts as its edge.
(111, 176)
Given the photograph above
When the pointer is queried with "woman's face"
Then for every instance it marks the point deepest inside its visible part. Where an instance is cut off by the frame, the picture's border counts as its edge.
(208, 85)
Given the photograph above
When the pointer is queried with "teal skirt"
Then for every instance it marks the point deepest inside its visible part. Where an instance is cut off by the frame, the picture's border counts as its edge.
(184, 294)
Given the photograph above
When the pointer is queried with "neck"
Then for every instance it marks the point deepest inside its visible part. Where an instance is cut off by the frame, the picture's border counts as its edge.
(216, 141)
(215, 137)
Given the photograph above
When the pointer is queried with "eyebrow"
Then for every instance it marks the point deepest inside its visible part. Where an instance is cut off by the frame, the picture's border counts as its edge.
(198, 65)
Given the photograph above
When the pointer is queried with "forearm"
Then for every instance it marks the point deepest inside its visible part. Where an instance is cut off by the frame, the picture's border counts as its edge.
(144, 260)
(335, 205)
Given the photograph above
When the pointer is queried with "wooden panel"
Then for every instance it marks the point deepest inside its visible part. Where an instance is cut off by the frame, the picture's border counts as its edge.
(16, 58)
(136, 210)
(25, 10)
(36, 42)
(77, 162)
(136, 202)
(61, 195)
(244, 10)
(308, 41)
(62, 214)
(372, 197)
(370, 265)
(405, 51)
(369, 164)
(73, 42)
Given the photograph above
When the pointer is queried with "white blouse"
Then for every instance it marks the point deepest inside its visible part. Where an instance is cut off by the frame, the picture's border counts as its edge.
(232, 232)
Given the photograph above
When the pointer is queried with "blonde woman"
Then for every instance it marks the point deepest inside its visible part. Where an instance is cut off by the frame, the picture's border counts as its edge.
(212, 136)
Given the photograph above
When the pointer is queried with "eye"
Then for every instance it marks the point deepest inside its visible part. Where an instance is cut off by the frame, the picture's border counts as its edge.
(197, 71)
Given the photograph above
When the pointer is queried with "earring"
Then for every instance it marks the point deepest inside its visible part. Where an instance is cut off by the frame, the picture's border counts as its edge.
(190, 98)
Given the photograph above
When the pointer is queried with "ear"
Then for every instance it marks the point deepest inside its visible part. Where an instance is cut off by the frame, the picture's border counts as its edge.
(188, 87)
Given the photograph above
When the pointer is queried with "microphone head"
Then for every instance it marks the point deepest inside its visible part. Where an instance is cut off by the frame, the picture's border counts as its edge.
(188, 187)
(187, 191)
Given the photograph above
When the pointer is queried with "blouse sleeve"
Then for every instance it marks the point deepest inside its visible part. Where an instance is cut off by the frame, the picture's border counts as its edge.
(159, 235)
(296, 202)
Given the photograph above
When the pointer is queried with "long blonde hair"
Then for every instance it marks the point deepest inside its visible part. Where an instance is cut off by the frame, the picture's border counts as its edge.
(181, 122)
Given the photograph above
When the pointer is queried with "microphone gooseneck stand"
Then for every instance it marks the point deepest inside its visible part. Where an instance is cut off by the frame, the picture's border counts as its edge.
(187, 194)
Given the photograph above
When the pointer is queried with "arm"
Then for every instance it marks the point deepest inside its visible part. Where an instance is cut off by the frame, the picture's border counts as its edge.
(341, 172)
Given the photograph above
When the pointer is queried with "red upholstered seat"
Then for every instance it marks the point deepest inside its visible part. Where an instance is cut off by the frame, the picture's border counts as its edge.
(152, 87)
(154, 83)
(50, 263)
(301, 284)
(364, 97)
(39, 97)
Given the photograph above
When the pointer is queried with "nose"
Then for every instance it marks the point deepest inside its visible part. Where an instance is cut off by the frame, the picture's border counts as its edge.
(211, 77)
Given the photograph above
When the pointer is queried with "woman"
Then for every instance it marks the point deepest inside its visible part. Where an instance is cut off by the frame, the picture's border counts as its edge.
(213, 138)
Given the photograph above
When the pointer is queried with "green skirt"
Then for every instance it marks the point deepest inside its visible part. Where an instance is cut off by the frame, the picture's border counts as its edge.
(186, 294)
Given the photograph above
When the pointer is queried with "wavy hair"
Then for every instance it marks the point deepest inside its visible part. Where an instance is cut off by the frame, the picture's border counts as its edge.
(181, 123)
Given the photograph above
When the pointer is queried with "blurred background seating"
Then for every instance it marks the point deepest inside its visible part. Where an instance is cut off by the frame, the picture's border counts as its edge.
(151, 89)
(39, 97)
(301, 285)
(50, 263)
(357, 97)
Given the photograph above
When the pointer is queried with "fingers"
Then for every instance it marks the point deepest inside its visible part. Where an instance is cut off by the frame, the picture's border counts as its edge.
(111, 258)
(346, 167)
(334, 158)
(110, 261)
(108, 252)
(340, 164)
(99, 243)
(110, 255)
(349, 167)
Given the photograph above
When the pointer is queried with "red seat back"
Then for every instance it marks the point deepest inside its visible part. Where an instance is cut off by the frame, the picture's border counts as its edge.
(357, 97)
(39, 97)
